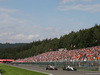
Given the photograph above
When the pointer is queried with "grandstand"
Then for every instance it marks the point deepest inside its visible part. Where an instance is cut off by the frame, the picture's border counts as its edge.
(85, 58)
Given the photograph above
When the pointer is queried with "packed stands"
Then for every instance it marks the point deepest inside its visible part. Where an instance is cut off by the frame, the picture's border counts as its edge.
(91, 53)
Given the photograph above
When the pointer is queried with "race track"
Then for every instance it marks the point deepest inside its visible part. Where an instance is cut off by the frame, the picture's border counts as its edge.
(55, 72)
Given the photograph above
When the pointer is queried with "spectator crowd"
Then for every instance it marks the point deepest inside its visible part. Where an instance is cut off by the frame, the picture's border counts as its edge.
(90, 53)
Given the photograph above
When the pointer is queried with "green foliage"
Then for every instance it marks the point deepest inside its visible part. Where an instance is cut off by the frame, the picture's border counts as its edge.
(74, 40)
(8, 45)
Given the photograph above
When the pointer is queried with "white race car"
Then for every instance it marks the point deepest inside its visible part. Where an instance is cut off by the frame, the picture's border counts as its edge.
(69, 68)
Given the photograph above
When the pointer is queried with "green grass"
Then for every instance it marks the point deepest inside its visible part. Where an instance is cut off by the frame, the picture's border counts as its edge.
(8, 70)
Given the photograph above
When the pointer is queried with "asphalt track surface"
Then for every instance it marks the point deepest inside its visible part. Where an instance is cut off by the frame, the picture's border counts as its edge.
(55, 72)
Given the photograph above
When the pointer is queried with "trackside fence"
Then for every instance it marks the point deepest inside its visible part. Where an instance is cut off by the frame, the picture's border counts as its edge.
(85, 65)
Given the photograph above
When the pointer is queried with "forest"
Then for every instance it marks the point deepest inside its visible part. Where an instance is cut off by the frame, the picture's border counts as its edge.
(11, 45)
(74, 40)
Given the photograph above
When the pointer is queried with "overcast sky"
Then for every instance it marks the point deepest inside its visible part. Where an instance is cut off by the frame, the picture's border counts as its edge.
(23, 21)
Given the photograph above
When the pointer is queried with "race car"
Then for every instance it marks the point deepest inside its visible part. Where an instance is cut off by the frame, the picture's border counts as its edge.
(69, 68)
(49, 67)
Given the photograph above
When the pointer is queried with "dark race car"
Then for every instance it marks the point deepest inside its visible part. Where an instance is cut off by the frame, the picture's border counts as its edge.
(69, 68)
(49, 67)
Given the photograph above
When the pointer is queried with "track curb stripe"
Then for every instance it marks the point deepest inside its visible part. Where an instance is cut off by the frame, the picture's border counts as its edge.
(42, 72)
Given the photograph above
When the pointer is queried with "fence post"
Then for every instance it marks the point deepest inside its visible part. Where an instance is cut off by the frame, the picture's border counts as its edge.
(99, 65)
(55, 63)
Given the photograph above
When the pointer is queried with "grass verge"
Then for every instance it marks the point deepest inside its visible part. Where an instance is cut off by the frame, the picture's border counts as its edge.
(8, 70)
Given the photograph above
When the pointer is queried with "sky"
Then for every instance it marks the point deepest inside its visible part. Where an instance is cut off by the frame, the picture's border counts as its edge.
(24, 21)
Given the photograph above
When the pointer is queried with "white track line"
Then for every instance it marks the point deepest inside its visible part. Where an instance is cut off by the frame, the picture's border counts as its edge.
(35, 70)
(42, 72)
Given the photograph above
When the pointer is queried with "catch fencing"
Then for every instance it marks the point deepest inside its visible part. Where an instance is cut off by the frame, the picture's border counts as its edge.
(85, 65)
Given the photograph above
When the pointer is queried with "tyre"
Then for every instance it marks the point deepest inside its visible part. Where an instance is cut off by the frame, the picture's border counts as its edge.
(56, 69)
(75, 69)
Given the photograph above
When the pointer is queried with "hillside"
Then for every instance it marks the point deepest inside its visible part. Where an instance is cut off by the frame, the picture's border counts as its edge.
(74, 40)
